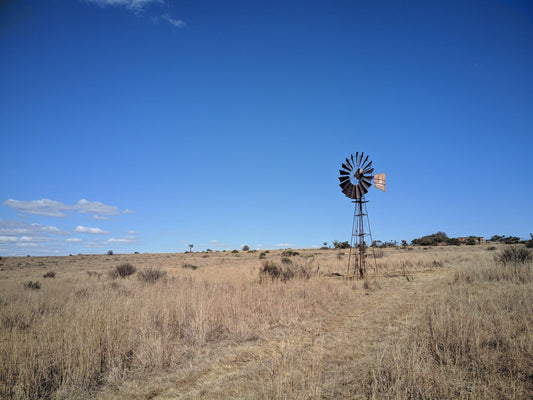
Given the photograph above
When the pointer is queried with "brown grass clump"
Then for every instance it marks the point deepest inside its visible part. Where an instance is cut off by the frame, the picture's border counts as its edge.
(151, 275)
(288, 270)
(122, 271)
(32, 285)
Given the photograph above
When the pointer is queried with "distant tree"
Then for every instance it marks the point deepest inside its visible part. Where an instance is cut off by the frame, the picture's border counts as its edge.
(110, 253)
(404, 243)
(245, 248)
(190, 248)
(325, 244)
(208, 251)
(341, 245)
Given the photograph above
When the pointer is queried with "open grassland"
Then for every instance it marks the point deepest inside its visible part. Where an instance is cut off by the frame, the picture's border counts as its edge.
(441, 322)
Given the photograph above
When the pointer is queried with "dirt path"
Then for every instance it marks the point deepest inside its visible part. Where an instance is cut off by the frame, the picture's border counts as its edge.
(318, 361)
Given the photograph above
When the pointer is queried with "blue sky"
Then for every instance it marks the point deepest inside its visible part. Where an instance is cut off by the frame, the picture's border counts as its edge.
(132, 125)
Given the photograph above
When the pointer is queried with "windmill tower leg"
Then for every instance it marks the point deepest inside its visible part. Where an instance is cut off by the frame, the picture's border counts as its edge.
(357, 256)
(357, 259)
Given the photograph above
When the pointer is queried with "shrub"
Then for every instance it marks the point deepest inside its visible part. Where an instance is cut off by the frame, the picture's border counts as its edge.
(272, 271)
(289, 253)
(49, 274)
(151, 275)
(235, 251)
(123, 270)
(110, 252)
(515, 255)
(491, 248)
(262, 255)
(245, 248)
(32, 285)
(189, 266)
(286, 261)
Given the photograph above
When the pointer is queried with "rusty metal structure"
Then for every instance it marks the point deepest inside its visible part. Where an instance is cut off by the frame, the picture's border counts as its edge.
(355, 180)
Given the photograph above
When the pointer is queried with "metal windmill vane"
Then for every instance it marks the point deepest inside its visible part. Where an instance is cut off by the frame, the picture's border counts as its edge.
(355, 180)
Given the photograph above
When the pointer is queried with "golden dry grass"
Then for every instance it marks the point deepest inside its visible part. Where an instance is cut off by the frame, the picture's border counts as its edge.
(443, 322)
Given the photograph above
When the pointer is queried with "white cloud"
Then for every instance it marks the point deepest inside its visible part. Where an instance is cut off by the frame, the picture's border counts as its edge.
(15, 227)
(100, 217)
(74, 240)
(126, 211)
(177, 23)
(52, 208)
(132, 232)
(284, 245)
(128, 239)
(46, 207)
(84, 206)
(84, 229)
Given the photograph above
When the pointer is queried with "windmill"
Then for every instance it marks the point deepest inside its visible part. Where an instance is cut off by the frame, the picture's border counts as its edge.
(355, 180)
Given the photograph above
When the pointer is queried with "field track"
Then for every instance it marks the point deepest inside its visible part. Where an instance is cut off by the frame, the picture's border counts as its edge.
(334, 349)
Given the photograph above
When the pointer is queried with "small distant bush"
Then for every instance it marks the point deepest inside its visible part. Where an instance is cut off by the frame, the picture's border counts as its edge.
(235, 251)
(32, 285)
(189, 266)
(262, 255)
(136, 252)
(491, 248)
(110, 253)
(245, 248)
(49, 274)
(123, 270)
(289, 253)
(151, 275)
(515, 255)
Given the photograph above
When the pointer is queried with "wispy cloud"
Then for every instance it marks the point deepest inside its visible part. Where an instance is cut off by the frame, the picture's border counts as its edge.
(133, 5)
(131, 232)
(127, 239)
(139, 7)
(127, 211)
(178, 23)
(74, 240)
(284, 245)
(85, 229)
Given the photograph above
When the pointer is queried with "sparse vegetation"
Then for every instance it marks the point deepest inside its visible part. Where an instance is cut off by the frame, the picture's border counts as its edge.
(49, 274)
(446, 322)
(245, 248)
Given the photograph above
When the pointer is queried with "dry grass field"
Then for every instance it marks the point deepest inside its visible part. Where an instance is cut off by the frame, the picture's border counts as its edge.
(433, 323)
